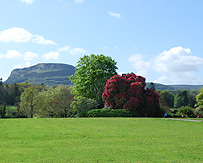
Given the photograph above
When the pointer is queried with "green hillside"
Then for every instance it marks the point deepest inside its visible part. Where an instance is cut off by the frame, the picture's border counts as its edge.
(174, 87)
(49, 74)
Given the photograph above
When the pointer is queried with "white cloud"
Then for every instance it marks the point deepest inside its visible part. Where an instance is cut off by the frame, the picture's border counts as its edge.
(65, 48)
(179, 78)
(28, 2)
(139, 64)
(13, 54)
(51, 55)
(177, 59)
(20, 35)
(41, 40)
(79, 1)
(113, 14)
(73, 51)
(76, 51)
(175, 66)
(16, 35)
(27, 64)
(28, 56)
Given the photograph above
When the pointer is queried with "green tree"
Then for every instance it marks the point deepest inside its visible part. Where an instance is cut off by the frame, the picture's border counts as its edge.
(3, 99)
(27, 102)
(83, 104)
(91, 74)
(191, 99)
(166, 99)
(181, 99)
(199, 98)
(54, 102)
(186, 111)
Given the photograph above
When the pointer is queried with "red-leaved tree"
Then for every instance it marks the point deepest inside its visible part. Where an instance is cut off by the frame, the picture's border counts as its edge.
(128, 92)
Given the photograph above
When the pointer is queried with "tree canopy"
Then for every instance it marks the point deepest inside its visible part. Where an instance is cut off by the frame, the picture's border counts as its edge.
(91, 74)
(128, 92)
(166, 99)
(199, 98)
(181, 99)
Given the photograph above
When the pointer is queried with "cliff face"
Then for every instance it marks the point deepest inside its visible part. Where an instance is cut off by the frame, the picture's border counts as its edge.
(49, 74)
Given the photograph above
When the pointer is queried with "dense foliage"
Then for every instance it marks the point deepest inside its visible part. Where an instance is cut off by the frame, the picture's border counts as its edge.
(186, 111)
(82, 105)
(166, 99)
(199, 111)
(128, 92)
(181, 99)
(91, 74)
(199, 98)
(51, 102)
(109, 113)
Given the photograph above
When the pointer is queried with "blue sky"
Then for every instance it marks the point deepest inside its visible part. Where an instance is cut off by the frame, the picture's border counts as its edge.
(161, 40)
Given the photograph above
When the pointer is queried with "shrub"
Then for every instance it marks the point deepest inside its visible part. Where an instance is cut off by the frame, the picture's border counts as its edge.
(109, 113)
(186, 111)
(2, 111)
(174, 115)
(8, 111)
(83, 105)
(128, 92)
(199, 111)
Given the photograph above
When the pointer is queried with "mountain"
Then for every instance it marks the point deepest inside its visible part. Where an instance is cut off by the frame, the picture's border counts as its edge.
(175, 87)
(52, 74)
(49, 74)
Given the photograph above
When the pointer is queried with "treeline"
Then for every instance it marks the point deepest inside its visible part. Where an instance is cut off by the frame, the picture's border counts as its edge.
(97, 91)
(23, 100)
(182, 103)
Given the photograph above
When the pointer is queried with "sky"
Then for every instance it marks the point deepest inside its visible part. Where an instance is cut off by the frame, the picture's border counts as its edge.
(161, 40)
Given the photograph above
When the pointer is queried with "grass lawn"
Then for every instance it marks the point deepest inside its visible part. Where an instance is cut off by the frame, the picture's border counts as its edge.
(100, 140)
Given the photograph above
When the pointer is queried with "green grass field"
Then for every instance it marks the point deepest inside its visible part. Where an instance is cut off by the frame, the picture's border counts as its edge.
(100, 140)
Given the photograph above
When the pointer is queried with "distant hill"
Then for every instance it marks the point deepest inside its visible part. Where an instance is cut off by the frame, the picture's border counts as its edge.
(175, 87)
(52, 74)
(49, 74)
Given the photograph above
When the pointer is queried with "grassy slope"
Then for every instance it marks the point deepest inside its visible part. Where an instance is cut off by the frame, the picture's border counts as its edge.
(100, 140)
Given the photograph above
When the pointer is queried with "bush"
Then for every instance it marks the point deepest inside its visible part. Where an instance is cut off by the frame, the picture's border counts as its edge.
(2, 111)
(199, 111)
(83, 105)
(161, 111)
(128, 92)
(8, 111)
(109, 113)
(174, 115)
(186, 111)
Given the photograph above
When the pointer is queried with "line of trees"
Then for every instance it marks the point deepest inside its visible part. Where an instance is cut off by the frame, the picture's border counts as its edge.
(183, 103)
(96, 75)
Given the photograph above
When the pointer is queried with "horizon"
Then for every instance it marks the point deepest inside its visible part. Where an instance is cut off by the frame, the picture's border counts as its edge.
(118, 74)
(159, 40)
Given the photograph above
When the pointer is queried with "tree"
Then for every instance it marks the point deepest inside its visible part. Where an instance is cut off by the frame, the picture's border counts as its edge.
(83, 104)
(152, 86)
(127, 92)
(186, 111)
(27, 102)
(181, 99)
(191, 99)
(91, 74)
(54, 102)
(199, 98)
(166, 99)
(1, 81)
